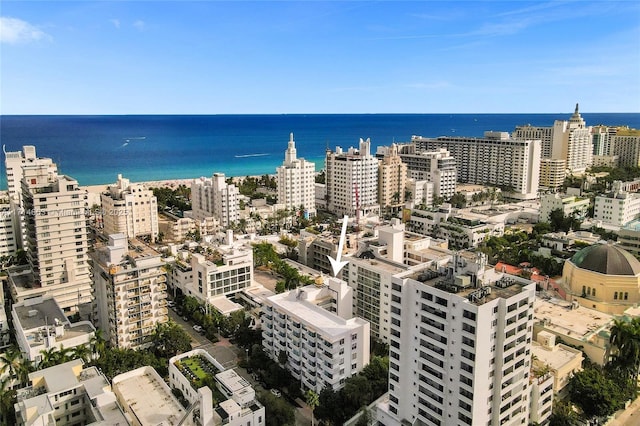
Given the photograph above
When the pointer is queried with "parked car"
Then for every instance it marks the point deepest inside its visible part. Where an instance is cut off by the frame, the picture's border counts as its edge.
(276, 393)
(197, 328)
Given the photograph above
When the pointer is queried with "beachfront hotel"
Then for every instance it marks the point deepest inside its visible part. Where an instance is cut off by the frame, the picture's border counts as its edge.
(214, 197)
(460, 347)
(496, 159)
(130, 209)
(129, 281)
(313, 325)
(352, 181)
(296, 181)
(55, 239)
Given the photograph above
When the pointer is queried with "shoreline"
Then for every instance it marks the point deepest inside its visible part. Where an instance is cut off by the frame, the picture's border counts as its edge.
(164, 183)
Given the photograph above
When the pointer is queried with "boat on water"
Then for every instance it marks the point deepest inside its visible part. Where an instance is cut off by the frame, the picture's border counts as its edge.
(250, 155)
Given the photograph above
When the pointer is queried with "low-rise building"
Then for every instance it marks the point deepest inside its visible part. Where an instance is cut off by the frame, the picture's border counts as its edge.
(68, 394)
(313, 326)
(40, 324)
(560, 360)
(568, 204)
(617, 208)
(148, 400)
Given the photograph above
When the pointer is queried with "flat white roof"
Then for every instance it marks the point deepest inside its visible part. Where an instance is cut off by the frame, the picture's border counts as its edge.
(557, 357)
(224, 305)
(321, 320)
(578, 323)
(149, 400)
(232, 381)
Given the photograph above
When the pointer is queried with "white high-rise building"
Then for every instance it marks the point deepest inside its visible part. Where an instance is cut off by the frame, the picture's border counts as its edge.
(214, 197)
(626, 145)
(437, 166)
(8, 239)
(496, 159)
(544, 134)
(14, 163)
(313, 326)
(572, 142)
(352, 181)
(460, 349)
(130, 284)
(130, 209)
(56, 240)
(296, 181)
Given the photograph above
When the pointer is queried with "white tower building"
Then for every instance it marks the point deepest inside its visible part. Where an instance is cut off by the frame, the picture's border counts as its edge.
(460, 348)
(296, 181)
(130, 209)
(14, 163)
(572, 142)
(214, 197)
(352, 181)
(56, 241)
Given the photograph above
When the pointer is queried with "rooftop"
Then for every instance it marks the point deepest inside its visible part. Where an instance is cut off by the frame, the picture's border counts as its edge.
(41, 314)
(496, 285)
(556, 357)
(310, 314)
(149, 399)
(578, 322)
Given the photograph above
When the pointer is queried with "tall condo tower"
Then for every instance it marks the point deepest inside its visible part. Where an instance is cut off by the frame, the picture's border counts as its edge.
(459, 348)
(131, 209)
(214, 197)
(296, 181)
(352, 181)
(572, 142)
(55, 239)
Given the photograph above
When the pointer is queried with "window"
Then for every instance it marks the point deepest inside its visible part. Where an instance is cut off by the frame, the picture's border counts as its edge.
(615, 295)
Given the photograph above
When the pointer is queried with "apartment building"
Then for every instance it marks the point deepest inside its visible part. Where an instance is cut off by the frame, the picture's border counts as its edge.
(617, 208)
(573, 143)
(14, 163)
(130, 285)
(68, 394)
(544, 134)
(8, 238)
(626, 145)
(496, 159)
(352, 181)
(129, 209)
(552, 173)
(56, 241)
(296, 181)
(314, 327)
(460, 348)
(568, 204)
(422, 192)
(392, 180)
(214, 197)
(601, 137)
(437, 167)
(212, 275)
(41, 325)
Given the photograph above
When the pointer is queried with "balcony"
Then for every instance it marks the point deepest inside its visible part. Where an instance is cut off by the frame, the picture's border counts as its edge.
(163, 319)
(162, 287)
(162, 279)
(163, 311)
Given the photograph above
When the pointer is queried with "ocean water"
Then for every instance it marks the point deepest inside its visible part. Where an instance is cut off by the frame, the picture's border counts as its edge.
(94, 149)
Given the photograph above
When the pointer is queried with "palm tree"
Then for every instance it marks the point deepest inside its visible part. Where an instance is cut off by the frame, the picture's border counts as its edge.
(7, 399)
(82, 352)
(26, 366)
(10, 362)
(313, 400)
(98, 344)
(625, 345)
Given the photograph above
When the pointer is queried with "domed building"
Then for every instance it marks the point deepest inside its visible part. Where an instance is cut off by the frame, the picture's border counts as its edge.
(603, 277)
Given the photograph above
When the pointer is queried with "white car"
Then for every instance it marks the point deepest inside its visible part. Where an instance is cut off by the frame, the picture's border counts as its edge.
(276, 392)
(197, 328)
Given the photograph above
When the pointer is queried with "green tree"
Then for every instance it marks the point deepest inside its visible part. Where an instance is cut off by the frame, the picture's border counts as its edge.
(277, 411)
(594, 393)
(97, 344)
(563, 414)
(7, 400)
(10, 362)
(312, 401)
(365, 417)
(169, 339)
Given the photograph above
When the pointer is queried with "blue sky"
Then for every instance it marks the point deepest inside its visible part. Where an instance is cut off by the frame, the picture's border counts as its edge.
(206, 57)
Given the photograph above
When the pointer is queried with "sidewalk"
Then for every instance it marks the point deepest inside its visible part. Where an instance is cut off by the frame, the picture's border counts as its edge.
(629, 417)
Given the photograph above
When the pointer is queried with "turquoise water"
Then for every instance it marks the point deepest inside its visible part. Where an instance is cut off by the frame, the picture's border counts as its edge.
(94, 149)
